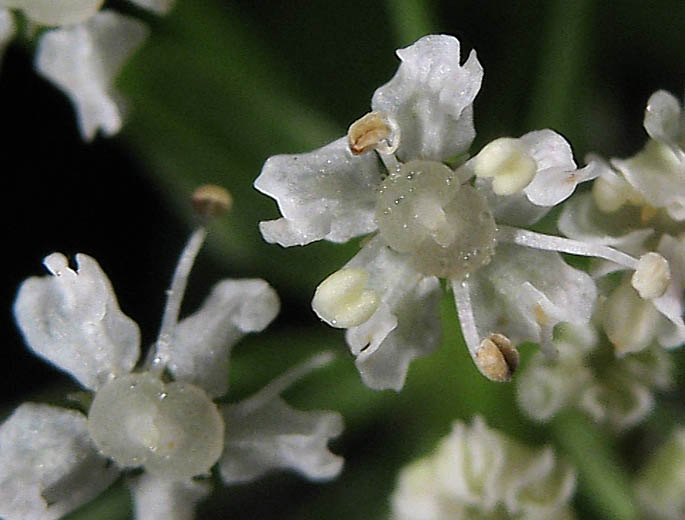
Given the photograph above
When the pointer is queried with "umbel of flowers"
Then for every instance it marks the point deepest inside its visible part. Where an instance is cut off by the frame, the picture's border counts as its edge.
(81, 52)
(612, 368)
(478, 473)
(157, 413)
(467, 224)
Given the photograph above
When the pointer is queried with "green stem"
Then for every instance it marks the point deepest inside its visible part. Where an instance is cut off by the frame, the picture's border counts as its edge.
(601, 477)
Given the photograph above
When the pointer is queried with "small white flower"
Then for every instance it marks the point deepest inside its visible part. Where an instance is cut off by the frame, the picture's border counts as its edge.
(477, 472)
(588, 375)
(83, 53)
(161, 416)
(388, 176)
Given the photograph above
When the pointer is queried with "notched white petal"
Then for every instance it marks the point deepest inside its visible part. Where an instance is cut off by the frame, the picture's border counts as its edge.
(157, 6)
(72, 319)
(328, 193)
(48, 465)
(83, 60)
(431, 98)
(405, 325)
(8, 29)
(157, 498)
(199, 352)
(52, 13)
(524, 293)
(266, 434)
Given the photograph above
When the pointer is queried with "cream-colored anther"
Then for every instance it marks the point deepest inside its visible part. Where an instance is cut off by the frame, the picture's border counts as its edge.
(508, 162)
(497, 358)
(611, 193)
(374, 131)
(342, 301)
(652, 276)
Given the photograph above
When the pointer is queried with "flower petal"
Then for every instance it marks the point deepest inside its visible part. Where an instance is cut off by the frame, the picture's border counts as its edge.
(73, 320)
(156, 498)
(328, 193)
(670, 304)
(157, 6)
(8, 29)
(199, 352)
(555, 179)
(430, 98)
(523, 293)
(656, 173)
(265, 434)
(406, 324)
(48, 465)
(47, 12)
(663, 117)
(83, 60)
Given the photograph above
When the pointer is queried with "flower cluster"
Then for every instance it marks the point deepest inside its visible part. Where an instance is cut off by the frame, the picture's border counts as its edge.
(478, 473)
(156, 414)
(611, 368)
(82, 51)
(467, 222)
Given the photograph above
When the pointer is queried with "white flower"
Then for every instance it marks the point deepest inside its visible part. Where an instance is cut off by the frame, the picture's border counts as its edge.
(388, 176)
(478, 473)
(160, 416)
(84, 52)
(660, 485)
(588, 375)
(634, 207)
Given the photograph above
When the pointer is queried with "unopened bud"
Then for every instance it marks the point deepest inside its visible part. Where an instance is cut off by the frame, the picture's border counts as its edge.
(374, 131)
(342, 301)
(497, 358)
(211, 200)
(652, 276)
(508, 162)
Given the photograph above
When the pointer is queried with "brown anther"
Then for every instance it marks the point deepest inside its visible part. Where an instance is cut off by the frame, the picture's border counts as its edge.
(211, 200)
(497, 358)
(365, 133)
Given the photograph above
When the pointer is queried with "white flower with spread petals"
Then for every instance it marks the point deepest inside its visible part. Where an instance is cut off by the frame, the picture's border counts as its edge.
(159, 417)
(388, 176)
(478, 473)
(83, 52)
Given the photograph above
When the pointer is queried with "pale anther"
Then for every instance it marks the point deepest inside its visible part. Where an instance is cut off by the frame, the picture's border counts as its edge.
(211, 200)
(652, 276)
(342, 300)
(509, 164)
(497, 358)
(374, 131)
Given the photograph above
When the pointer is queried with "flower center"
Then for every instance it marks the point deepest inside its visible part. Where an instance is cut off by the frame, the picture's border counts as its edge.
(447, 227)
(172, 429)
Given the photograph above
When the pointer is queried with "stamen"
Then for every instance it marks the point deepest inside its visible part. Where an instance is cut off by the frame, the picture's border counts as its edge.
(652, 276)
(175, 297)
(285, 381)
(374, 131)
(535, 240)
(342, 301)
(508, 162)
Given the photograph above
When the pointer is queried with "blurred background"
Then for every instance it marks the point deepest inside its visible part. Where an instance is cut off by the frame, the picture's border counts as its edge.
(222, 85)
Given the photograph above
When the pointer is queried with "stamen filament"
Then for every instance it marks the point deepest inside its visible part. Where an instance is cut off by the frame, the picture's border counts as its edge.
(175, 298)
(462, 300)
(535, 240)
(284, 381)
